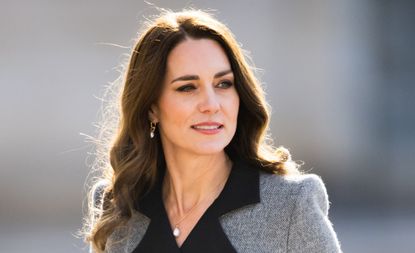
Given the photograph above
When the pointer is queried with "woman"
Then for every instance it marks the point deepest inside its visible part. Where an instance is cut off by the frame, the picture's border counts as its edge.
(190, 169)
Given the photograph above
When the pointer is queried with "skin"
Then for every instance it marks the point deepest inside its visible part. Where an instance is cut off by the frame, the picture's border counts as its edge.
(198, 87)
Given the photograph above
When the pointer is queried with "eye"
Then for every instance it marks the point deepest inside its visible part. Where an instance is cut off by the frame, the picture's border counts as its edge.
(186, 88)
(224, 84)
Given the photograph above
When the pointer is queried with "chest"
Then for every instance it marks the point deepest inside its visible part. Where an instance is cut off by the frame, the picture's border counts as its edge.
(182, 225)
(249, 229)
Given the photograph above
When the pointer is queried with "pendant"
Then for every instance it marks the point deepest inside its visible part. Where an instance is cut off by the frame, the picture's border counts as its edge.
(176, 232)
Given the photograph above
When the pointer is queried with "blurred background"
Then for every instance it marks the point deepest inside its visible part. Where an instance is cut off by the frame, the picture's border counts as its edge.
(337, 74)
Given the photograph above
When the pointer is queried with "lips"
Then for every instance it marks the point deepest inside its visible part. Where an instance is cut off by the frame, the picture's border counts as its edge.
(208, 127)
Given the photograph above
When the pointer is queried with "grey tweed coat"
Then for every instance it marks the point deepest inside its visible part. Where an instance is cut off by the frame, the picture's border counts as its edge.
(290, 214)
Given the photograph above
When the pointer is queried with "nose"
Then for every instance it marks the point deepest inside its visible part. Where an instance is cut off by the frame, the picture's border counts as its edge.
(209, 102)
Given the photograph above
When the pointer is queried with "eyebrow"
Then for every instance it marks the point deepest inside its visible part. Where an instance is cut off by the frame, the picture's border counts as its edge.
(196, 77)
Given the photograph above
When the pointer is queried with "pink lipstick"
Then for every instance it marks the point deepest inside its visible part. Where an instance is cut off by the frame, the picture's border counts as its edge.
(208, 127)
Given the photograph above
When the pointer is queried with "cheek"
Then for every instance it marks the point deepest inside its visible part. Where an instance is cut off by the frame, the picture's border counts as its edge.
(173, 111)
(233, 107)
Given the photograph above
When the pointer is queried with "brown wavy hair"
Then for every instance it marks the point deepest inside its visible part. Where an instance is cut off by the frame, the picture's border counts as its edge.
(134, 157)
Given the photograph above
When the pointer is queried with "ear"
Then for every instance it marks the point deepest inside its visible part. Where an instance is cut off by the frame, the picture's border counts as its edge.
(153, 114)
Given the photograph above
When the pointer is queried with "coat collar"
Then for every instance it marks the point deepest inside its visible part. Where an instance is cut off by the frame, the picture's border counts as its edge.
(241, 189)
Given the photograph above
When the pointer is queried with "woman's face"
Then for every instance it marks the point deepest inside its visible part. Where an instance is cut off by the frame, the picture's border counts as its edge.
(198, 107)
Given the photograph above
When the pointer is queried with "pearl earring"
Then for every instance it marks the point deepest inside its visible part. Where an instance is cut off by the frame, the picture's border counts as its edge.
(152, 129)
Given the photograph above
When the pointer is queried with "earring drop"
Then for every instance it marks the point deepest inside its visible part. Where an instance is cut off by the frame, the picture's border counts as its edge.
(152, 129)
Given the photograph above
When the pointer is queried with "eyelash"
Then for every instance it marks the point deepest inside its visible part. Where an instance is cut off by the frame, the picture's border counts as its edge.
(227, 82)
(186, 88)
(190, 87)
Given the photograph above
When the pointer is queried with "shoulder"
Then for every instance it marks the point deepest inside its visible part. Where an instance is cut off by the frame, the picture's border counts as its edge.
(297, 180)
(294, 187)
(308, 182)
(304, 202)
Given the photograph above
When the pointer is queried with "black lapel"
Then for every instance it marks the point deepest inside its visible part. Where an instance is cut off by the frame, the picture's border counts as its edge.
(241, 189)
(158, 237)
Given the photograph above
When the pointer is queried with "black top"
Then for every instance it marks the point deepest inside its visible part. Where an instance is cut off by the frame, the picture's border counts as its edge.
(241, 189)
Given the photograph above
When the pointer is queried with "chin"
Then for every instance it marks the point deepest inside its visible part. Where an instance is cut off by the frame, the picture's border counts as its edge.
(209, 149)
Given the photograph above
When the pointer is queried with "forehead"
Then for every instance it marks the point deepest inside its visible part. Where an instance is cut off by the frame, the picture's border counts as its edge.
(197, 56)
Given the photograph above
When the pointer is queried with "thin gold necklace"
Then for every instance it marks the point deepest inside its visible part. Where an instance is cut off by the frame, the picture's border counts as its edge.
(176, 230)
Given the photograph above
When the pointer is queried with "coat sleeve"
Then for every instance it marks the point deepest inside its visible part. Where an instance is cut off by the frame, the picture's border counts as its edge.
(310, 229)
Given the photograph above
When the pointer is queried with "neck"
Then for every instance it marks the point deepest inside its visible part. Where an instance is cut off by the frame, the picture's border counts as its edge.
(189, 180)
